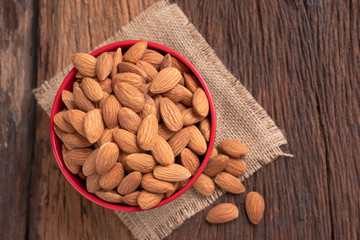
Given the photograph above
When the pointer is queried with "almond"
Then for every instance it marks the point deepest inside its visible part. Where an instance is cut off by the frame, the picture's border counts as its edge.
(131, 68)
(141, 162)
(179, 65)
(150, 70)
(74, 169)
(229, 183)
(182, 184)
(153, 57)
(92, 183)
(190, 117)
(149, 108)
(166, 62)
(165, 80)
(68, 99)
(133, 79)
(129, 96)
(76, 84)
(222, 213)
(79, 75)
(102, 101)
(255, 206)
(75, 140)
(129, 120)
(214, 153)
(107, 157)
(191, 82)
(216, 164)
(78, 156)
(126, 141)
(170, 115)
(62, 123)
(148, 200)
(171, 173)
(233, 148)
(110, 110)
(106, 86)
(92, 89)
(135, 52)
(112, 178)
(129, 183)
(104, 66)
(179, 93)
(117, 58)
(204, 185)
(84, 63)
(121, 160)
(164, 132)
(76, 118)
(109, 196)
(147, 132)
(157, 100)
(106, 136)
(181, 107)
(131, 199)
(162, 151)
(197, 142)
(236, 167)
(82, 101)
(205, 129)
(89, 166)
(151, 184)
(179, 140)
(190, 160)
(93, 125)
(169, 193)
(200, 102)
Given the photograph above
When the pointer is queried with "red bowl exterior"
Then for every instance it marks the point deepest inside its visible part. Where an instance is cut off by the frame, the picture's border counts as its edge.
(58, 106)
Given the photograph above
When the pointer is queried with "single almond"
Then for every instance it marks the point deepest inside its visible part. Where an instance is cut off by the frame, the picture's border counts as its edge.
(151, 184)
(190, 160)
(171, 173)
(214, 153)
(129, 96)
(85, 64)
(166, 62)
(147, 132)
(157, 100)
(68, 99)
(78, 156)
(117, 58)
(233, 148)
(229, 183)
(93, 125)
(236, 167)
(126, 141)
(107, 157)
(255, 206)
(179, 93)
(112, 178)
(131, 68)
(106, 85)
(170, 115)
(153, 57)
(106, 136)
(191, 82)
(76, 118)
(190, 117)
(73, 168)
(110, 110)
(82, 101)
(75, 140)
(164, 132)
(200, 102)
(165, 80)
(162, 152)
(141, 162)
(131, 198)
(109, 196)
(197, 142)
(129, 120)
(89, 166)
(104, 66)
(129, 183)
(150, 70)
(216, 164)
(204, 185)
(149, 200)
(61, 122)
(92, 89)
(149, 108)
(179, 65)
(205, 129)
(222, 213)
(169, 193)
(133, 79)
(179, 140)
(92, 183)
(135, 52)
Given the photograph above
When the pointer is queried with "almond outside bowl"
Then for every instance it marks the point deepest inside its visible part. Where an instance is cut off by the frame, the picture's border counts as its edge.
(78, 183)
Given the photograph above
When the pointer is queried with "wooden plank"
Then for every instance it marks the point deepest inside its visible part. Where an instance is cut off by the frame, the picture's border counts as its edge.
(17, 114)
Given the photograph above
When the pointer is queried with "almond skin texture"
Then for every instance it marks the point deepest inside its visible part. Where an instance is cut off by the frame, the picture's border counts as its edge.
(153, 57)
(106, 86)
(107, 157)
(121, 160)
(78, 156)
(141, 162)
(191, 82)
(216, 165)
(92, 183)
(200, 102)
(204, 185)
(181, 107)
(170, 115)
(135, 52)
(197, 142)
(214, 153)
(171, 173)
(236, 167)
(117, 58)
(150, 70)
(126, 141)
(233, 148)
(164, 132)
(133, 79)
(151, 184)
(129, 96)
(75, 140)
(93, 125)
(162, 152)
(148, 200)
(255, 206)
(179, 140)
(85, 64)
(76, 118)
(132, 68)
(92, 89)
(106, 136)
(104, 66)
(112, 178)
(169, 193)
(110, 110)
(166, 62)
(190, 117)
(129, 120)
(190, 160)
(179, 93)
(61, 122)
(222, 213)
(129, 183)
(229, 183)
(165, 80)
(205, 129)
(131, 199)
(68, 99)
(89, 167)
(147, 132)
(81, 100)
(149, 107)
(74, 169)
(109, 196)
(157, 100)
(102, 101)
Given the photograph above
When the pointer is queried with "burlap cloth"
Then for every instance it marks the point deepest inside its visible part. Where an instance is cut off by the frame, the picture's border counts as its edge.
(239, 116)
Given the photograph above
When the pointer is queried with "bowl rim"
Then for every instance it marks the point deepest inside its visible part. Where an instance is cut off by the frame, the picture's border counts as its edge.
(58, 105)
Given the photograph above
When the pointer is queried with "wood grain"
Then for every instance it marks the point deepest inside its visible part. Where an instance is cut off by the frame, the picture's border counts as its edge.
(299, 59)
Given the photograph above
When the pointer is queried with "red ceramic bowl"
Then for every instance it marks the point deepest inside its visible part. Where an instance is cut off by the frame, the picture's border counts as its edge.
(58, 106)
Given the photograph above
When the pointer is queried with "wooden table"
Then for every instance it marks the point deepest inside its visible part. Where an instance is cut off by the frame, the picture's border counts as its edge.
(299, 59)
